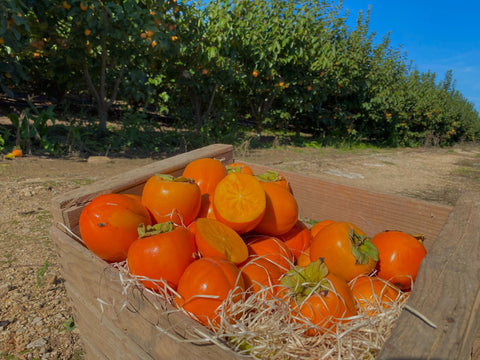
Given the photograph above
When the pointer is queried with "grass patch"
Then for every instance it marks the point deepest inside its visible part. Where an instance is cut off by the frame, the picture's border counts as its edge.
(468, 172)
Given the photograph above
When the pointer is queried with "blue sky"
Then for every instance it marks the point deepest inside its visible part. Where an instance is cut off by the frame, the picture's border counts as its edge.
(436, 35)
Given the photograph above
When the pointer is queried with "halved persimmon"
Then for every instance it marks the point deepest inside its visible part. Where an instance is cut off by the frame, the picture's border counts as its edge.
(239, 201)
(214, 238)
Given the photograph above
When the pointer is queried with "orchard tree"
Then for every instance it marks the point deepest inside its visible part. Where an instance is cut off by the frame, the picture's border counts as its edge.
(13, 28)
(100, 47)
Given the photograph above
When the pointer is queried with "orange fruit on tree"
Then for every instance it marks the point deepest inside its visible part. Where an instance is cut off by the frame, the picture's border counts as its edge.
(346, 250)
(239, 201)
(206, 172)
(214, 238)
(281, 211)
(170, 198)
(108, 224)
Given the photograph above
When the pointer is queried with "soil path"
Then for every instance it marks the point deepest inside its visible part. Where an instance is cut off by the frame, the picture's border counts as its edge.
(35, 315)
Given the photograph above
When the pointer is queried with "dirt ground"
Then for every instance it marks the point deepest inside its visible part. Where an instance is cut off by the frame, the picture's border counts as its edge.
(35, 315)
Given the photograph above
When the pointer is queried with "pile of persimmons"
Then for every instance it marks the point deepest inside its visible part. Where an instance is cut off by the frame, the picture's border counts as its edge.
(221, 231)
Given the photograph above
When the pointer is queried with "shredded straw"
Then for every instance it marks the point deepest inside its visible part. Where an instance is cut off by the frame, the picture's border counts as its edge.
(260, 326)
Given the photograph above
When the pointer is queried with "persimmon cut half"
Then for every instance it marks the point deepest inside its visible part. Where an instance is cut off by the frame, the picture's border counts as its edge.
(214, 238)
(239, 201)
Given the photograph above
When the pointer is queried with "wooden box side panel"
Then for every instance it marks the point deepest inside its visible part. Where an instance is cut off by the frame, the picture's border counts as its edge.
(118, 321)
(370, 211)
(447, 293)
(66, 208)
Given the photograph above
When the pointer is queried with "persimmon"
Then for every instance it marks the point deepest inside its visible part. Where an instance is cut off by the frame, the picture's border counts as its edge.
(170, 198)
(273, 176)
(214, 238)
(272, 249)
(162, 252)
(205, 284)
(373, 294)
(400, 255)
(206, 172)
(259, 274)
(108, 224)
(239, 167)
(322, 298)
(346, 250)
(206, 208)
(304, 258)
(17, 152)
(318, 226)
(239, 201)
(281, 211)
(298, 238)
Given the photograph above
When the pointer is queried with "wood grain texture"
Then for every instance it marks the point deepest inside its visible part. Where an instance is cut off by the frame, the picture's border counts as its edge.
(370, 211)
(116, 322)
(447, 292)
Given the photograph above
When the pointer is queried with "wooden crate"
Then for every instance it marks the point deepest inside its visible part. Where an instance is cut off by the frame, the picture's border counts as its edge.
(120, 323)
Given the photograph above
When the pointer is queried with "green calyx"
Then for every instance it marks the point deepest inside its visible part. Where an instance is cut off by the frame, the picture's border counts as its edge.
(303, 281)
(169, 177)
(362, 248)
(151, 230)
(269, 175)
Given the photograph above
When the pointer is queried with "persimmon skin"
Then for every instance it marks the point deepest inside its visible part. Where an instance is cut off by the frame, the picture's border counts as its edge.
(170, 200)
(162, 256)
(298, 238)
(206, 172)
(108, 224)
(206, 208)
(272, 249)
(318, 226)
(281, 212)
(239, 167)
(239, 201)
(333, 244)
(371, 292)
(205, 279)
(328, 308)
(400, 256)
(259, 274)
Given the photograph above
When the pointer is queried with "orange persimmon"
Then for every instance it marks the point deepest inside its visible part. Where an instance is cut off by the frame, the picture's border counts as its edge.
(239, 201)
(214, 238)
(206, 172)
(298, 239)
(281, 211)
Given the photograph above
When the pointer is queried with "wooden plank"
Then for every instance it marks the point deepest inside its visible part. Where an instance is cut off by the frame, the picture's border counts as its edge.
(447, 292)
(370, 211)
(66, 208)
(119, 331)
